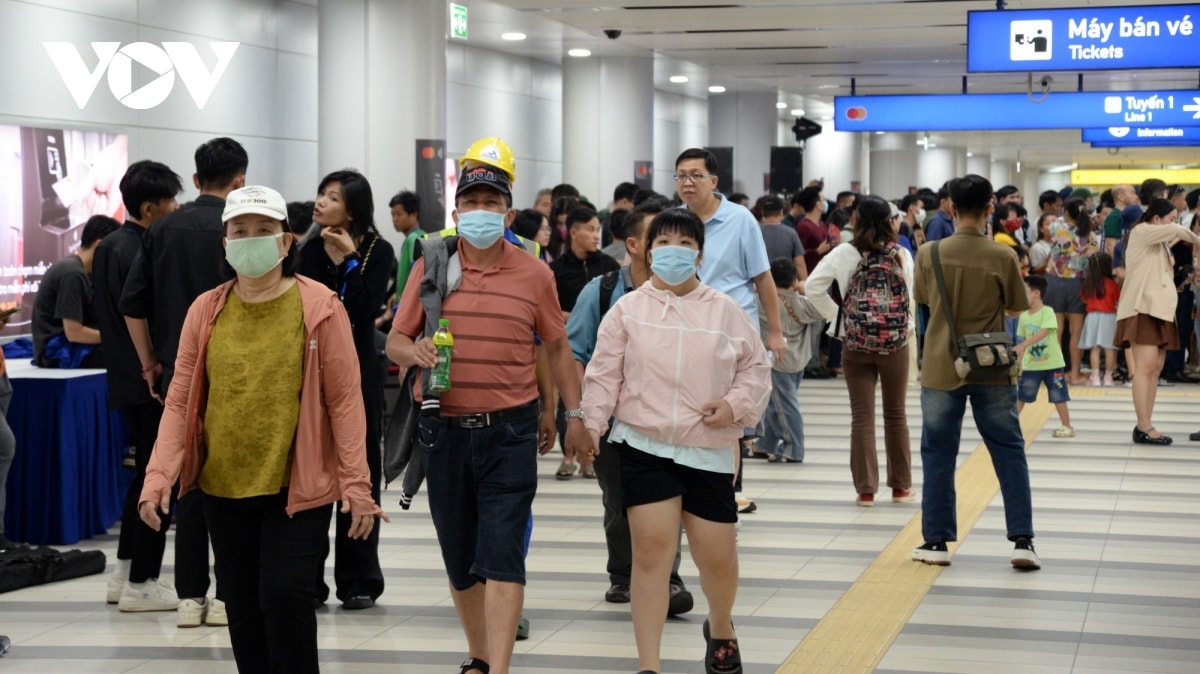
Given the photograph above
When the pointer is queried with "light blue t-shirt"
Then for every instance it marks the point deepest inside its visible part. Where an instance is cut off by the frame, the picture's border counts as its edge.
(734, 253)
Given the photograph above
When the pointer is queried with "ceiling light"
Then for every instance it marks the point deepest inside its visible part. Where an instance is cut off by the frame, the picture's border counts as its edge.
(878, 133)
(679, 79)
(513, 37)
(1065, 168)
(781, 105)
(797, 112)
(579, 53)
(970, 154)
(716, 89)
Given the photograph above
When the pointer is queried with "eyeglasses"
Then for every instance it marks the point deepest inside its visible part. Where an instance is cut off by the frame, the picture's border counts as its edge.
(692, 177)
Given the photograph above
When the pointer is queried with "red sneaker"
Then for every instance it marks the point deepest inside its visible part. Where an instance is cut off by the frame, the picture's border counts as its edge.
(904, 495)
(865, 500)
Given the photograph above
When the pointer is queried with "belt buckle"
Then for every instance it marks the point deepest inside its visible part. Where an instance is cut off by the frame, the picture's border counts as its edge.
(473, 421)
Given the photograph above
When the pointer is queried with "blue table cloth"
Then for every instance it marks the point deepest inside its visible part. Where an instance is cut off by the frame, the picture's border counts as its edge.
(66, 482)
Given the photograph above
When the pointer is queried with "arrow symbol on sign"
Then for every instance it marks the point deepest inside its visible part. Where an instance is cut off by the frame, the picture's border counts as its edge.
(1195, 107)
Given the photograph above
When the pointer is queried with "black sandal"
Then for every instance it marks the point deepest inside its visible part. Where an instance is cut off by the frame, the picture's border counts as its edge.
(721, 656)
(476, 664)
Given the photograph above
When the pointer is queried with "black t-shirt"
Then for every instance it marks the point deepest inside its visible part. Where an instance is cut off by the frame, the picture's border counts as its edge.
(181, 257)
(571, 274)
(64, 293)
(363, 291)
(113, 259)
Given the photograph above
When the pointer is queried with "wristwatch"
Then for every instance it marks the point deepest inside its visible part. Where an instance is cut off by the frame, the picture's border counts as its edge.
(576, 414)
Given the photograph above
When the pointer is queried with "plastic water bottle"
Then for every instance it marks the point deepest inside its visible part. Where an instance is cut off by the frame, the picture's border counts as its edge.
(439, 379)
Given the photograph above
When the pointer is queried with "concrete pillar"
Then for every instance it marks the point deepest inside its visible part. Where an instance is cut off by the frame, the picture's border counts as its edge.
(1002, 172)
(893, 164)
(747, 122)
(980, 164)
(381, 84)
(937, 165)
(601, 139)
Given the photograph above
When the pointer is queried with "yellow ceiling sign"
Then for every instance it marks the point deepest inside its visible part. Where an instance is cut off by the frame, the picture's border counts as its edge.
(1105, 177)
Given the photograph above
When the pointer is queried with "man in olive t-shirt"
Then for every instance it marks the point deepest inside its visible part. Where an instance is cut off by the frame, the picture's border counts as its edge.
(983, 285)
(1123, 195)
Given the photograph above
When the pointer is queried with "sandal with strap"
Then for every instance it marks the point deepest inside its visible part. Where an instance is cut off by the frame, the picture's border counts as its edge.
(721, 656)
(475, 664)
(588, 471)
(565, 471)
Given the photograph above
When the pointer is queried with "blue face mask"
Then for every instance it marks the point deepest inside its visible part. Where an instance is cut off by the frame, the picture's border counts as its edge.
(481, 228)
(673, 264)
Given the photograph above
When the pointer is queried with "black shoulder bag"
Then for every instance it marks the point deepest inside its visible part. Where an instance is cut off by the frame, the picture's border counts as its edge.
(982, 356)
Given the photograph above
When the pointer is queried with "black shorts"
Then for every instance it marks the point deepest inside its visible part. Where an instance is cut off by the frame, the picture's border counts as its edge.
(646, 478)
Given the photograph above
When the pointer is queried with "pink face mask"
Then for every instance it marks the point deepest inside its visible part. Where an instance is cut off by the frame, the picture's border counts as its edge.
(562, 232)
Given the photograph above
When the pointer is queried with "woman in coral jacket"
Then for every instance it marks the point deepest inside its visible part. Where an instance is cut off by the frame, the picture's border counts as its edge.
(265, 417)
(683, 371)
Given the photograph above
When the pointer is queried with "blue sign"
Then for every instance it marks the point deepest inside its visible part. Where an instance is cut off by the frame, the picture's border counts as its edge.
(982, 112)
(1084, 38)
(1140, 135)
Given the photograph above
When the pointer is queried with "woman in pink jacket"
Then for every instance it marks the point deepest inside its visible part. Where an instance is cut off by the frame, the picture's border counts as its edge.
(682, 370)
(265, 417)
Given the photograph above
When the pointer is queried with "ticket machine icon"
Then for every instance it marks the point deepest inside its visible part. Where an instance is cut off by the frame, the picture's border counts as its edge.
(1031, 40)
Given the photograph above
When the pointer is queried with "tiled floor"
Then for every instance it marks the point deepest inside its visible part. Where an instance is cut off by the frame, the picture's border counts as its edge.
(1119, 529)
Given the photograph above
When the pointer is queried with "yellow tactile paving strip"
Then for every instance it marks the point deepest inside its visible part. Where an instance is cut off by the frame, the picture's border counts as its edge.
(857, 632)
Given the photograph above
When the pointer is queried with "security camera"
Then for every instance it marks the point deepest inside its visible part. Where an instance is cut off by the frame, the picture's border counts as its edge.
(1046, 81)
(612, 33)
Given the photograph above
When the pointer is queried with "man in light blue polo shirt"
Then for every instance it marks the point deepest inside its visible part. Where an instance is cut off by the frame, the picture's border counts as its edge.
(735, 255)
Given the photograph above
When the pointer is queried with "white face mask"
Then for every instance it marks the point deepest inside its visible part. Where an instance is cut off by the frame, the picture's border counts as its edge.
(920, 215)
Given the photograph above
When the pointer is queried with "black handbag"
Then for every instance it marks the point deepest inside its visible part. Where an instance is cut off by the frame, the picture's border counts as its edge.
(402, 430)
(980, 356)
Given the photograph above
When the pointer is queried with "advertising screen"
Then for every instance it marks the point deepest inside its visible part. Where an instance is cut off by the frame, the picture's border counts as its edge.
(51, 182)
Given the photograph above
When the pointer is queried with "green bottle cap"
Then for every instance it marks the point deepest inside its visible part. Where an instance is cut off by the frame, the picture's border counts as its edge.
(444, 322)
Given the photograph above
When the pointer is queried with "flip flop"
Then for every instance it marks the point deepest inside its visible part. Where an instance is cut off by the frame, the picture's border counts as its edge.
(565, 471)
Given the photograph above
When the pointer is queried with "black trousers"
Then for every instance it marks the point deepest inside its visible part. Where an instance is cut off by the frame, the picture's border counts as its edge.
(356, 570)
(616, 524)
(266, 561)
(191, 548)
(139, 543)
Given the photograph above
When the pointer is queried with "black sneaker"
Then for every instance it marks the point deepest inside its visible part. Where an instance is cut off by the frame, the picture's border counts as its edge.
(680, 602)
(932, 553)
(358, 602)
(617, 594)
(1024, 557)
(6, 544)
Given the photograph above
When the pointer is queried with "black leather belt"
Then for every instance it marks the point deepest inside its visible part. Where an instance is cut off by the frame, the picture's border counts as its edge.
(529, 410)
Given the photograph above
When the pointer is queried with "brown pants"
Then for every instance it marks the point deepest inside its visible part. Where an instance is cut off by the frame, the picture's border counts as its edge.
(862, 370)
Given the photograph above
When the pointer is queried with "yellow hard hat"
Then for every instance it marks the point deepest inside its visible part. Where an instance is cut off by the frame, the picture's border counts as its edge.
(492, 152)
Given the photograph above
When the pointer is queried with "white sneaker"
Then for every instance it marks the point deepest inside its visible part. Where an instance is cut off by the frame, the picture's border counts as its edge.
(116, 585)
(154, 595)
(216, 614)
(191, 613)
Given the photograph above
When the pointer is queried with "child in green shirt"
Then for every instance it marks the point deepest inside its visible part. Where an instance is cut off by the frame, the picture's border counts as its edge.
(1042, 357)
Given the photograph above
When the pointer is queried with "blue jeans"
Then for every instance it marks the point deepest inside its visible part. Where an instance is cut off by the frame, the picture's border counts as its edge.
(783, 426)
(995, 411)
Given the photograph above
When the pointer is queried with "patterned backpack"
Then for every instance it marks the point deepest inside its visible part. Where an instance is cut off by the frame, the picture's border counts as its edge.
(875, 305)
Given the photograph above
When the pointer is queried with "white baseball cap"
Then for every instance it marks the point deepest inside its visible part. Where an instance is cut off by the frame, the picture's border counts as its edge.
(255, 199)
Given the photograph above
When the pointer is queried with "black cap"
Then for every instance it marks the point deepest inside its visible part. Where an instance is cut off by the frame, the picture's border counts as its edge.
(483, 175)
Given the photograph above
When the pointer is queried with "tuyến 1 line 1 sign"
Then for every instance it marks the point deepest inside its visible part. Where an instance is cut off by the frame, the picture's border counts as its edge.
(1083, 38)
(1003, 112)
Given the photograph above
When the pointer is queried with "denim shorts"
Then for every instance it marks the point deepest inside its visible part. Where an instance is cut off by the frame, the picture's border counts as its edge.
(646, 478)
(481, 486)
(1056, 385)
